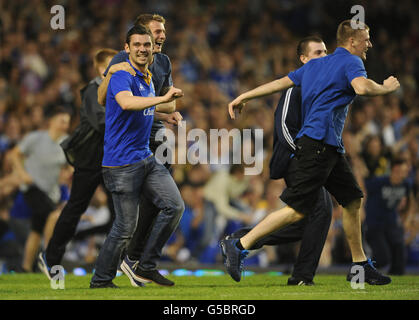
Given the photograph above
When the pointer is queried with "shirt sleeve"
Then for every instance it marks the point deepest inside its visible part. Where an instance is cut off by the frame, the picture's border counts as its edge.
(121, 56)
(297, 75)
(120, 81)
(27, 143)
(168, 82)
(354, 69)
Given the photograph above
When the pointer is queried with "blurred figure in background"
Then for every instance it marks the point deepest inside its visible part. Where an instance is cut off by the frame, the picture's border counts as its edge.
(38, 160)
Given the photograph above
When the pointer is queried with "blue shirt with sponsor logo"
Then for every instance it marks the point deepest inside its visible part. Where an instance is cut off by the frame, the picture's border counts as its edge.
(161, 69)
(127, 133)
(326, 94)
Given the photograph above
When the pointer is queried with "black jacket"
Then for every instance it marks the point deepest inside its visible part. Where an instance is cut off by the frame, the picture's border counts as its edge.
(287, 124)
(84, 147)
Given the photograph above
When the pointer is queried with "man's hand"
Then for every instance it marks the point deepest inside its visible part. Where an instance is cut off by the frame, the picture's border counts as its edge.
(235, 106)
(172, 94)
(122, 66)
(391, 84)
(174, 118)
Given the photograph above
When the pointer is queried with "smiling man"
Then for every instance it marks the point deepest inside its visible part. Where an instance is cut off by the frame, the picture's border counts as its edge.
(328, 86)
(129, 167)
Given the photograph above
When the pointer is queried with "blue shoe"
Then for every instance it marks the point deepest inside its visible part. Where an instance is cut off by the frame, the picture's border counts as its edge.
(371, 275)
(128, 267)
(234, 258)
(43, 266)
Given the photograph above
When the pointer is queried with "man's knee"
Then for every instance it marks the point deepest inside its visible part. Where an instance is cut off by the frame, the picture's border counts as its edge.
(354, 205)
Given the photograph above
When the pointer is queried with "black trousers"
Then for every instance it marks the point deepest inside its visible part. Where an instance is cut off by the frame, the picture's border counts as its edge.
(388, 249)
(83, 187)
(312, 230)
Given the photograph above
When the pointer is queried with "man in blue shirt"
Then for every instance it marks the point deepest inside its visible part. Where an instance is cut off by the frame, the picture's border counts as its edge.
(129, 167)
(145, 248)
(313, 229)
(328, 85)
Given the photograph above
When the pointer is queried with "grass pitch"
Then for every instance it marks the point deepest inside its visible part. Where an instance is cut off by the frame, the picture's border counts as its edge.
(255, 287)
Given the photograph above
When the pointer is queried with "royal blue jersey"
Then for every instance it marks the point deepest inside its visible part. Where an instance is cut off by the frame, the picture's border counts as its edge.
(127, 133)
(161, 69)
(326, 94)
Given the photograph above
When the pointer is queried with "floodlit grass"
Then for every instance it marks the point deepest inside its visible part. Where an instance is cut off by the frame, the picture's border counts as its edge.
(255, 287)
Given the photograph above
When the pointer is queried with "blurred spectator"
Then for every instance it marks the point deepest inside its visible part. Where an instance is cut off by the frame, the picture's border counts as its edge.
(389, 210)
(37, 160)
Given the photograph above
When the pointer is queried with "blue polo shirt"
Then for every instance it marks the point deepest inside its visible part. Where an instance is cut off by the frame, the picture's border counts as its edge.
(326, 93)
(127, 133)
(161, 69)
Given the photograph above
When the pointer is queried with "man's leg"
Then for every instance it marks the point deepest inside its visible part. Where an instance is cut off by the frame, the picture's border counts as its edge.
(148, 214)
(125, 184)
(312, 230)
(274, 221)
(161, 190)
(313, 238)
(83, 187)
(351, 219)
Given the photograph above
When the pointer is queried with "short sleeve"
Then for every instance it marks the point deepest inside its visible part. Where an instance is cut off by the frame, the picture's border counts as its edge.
(27, 143)
(120, 81)
(354, 69)
(297, 75)
(121, 56)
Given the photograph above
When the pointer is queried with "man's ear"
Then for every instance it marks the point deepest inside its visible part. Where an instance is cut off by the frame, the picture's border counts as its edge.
(127, 48)
(303, 59)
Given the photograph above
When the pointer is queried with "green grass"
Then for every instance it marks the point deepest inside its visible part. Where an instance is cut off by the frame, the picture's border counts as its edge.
(256, 287)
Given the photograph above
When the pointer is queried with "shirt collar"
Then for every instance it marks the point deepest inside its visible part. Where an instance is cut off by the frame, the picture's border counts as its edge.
(146, 77)
(342, 50)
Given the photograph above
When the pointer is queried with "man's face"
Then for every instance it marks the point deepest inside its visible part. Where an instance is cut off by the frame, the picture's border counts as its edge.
(159, 34)
(139, 49)
(60, 122)
(314, 50)
(361, 43)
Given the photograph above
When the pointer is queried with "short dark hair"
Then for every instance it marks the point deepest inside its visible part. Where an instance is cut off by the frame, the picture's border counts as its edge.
(397, 160)
(52, 111)
(145, 18)
(140, 29)
(303, 44)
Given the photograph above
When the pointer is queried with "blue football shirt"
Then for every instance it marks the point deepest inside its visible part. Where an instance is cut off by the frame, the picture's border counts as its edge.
(326, 94)
(127, 133)
(161, 69)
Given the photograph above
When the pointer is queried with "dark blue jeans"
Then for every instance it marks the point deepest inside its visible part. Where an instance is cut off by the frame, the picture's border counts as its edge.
(126, 184)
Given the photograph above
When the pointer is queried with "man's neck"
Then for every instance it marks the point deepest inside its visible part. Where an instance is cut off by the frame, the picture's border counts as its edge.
(54, 135)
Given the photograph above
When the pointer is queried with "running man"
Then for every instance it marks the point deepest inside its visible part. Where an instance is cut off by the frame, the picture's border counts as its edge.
(313, 228)
(145, 248)
(328, 86)
(129, 167)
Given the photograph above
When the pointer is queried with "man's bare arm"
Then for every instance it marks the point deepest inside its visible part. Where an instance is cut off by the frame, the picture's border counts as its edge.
(103, 88)
(368, 87)
(168, 107)
(261, 91)
(128, 101)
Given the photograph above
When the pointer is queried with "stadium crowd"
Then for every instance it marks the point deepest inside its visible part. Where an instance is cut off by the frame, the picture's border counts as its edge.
(218, 49)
